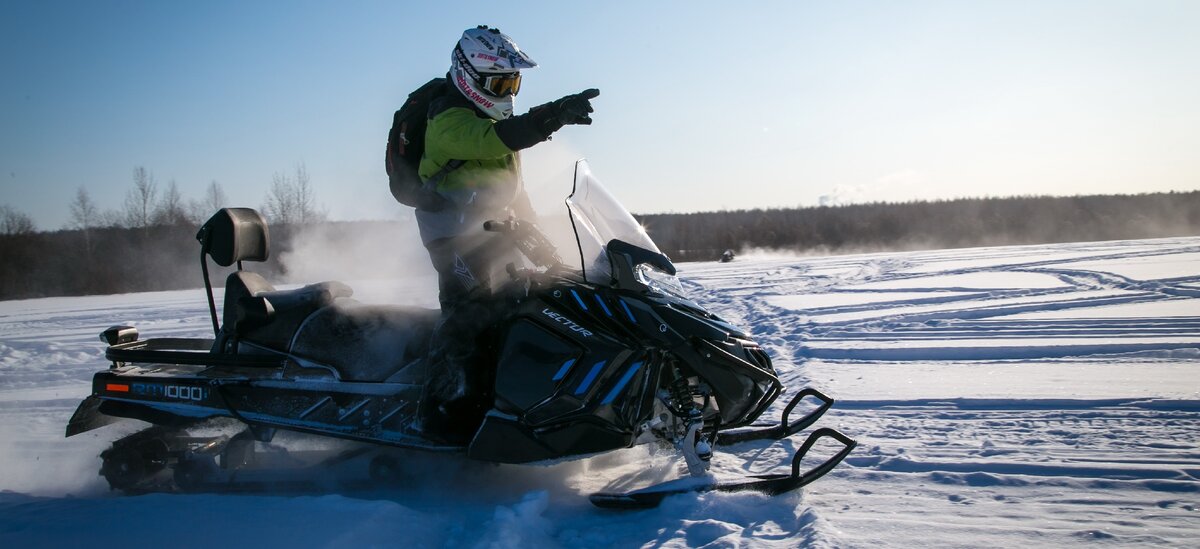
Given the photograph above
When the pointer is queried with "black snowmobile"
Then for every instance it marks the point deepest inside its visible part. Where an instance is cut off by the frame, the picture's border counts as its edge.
(589, 358)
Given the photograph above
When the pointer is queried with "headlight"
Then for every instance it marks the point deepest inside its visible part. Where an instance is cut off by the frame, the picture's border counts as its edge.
(659, 281)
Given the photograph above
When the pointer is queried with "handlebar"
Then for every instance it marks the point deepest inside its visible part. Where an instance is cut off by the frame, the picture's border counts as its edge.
(528, 238)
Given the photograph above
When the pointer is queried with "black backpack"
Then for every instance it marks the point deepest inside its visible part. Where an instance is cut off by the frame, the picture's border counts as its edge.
(406, 144)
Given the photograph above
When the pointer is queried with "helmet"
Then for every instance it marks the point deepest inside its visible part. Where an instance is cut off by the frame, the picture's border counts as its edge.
(486, 67)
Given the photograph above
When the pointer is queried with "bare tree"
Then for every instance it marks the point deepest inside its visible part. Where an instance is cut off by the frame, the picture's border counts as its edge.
(84, 213)
(292, 200)
(214, 198)
(14, 223)
(111, 219)
(280, 207)
(140, 200)
(84, 216)
(171, 209)
(306, 202)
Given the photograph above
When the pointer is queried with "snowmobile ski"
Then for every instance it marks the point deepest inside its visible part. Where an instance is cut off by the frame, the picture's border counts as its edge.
(773, 484)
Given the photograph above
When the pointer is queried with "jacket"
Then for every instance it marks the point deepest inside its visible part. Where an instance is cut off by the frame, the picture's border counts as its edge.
(488, 184)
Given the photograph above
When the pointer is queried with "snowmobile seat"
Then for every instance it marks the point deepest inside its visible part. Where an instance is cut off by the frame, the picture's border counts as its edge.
(368, 342)
(256, 312)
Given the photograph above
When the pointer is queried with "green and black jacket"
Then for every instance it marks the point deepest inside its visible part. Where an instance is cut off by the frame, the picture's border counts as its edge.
(488, 184)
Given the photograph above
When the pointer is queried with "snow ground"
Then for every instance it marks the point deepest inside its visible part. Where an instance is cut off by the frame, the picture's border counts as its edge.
(1012, 396)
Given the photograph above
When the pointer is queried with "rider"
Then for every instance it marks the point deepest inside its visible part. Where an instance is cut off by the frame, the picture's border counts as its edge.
(471, 159)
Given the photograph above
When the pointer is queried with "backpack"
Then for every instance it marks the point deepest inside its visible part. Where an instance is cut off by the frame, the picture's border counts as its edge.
(406, 145)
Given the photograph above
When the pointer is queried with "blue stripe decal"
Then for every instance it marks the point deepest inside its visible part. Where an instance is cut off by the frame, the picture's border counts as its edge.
(603, 305)
(579, 300)
(612, 395)
(627, 311)
(591, 376)
(562, 372)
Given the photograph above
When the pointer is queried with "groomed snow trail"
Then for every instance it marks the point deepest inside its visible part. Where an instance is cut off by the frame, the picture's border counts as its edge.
(1043, 395)
(1013, 396)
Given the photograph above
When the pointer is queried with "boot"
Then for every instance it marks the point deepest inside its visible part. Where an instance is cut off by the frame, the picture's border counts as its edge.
(449, 410)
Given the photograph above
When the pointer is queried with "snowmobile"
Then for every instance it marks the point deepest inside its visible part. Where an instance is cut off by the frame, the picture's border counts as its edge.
(589, 357)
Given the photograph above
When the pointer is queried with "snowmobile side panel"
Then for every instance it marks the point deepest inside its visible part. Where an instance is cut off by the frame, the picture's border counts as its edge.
(532, 363)
(381, 413)
(166, 385)
(583, 438)
(173, 415)
(504, 440)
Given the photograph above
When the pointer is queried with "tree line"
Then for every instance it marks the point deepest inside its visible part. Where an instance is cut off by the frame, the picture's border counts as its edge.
(143, 246)
(290, 199)
(927, 224)
(135, 247)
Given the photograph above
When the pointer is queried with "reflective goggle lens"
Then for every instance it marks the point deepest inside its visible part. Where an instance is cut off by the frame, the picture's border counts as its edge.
(503, 84)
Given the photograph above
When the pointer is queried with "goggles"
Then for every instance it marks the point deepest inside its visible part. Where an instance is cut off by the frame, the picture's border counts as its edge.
(502, 84)
(499, 85)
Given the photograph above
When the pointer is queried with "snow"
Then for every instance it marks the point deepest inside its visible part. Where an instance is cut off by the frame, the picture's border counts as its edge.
(1013, 396)
(1151, 267)
(970, 281)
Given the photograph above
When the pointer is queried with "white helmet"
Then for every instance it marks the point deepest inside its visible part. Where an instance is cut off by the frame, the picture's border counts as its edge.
(486, 67)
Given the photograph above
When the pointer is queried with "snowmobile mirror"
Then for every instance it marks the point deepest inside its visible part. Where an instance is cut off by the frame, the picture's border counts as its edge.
(117, 335)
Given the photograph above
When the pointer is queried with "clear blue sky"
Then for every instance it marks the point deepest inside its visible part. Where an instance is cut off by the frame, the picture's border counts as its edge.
(704, 105)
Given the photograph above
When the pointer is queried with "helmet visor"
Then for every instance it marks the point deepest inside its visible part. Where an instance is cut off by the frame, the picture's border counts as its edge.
(502, 84)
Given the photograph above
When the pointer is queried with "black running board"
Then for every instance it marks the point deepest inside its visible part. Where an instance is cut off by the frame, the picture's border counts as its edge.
(773, 485)
(784, 429)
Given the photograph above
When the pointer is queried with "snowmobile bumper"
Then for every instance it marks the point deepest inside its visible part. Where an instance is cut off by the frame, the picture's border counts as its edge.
(784, 429)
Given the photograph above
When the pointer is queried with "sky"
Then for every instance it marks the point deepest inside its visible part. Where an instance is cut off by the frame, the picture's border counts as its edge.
(703, 106)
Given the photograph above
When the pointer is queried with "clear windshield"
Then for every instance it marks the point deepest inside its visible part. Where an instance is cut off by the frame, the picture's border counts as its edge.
(597, 219)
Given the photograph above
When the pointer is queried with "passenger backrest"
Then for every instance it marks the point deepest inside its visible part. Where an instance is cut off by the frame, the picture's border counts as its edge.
(235, 234)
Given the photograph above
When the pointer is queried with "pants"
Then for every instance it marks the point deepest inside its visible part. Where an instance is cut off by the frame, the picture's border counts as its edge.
(466, 266)
(455, 379)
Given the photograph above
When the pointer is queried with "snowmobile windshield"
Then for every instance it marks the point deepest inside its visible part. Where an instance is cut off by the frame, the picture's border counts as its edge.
(598, 219)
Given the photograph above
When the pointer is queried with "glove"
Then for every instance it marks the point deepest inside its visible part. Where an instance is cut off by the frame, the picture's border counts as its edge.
(572, 109)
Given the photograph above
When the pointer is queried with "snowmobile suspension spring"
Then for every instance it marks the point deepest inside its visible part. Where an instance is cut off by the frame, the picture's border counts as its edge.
(681, 396)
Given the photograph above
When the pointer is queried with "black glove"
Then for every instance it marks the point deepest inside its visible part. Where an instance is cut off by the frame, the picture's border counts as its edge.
(572, 109)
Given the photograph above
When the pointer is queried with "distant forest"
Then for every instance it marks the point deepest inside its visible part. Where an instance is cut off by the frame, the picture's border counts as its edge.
(142, 250)
(940, 224)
